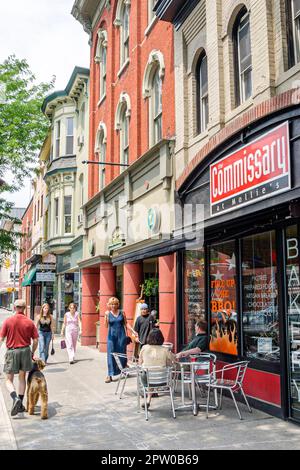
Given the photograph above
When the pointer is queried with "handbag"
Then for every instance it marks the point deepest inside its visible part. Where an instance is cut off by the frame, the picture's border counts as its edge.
(63, 344)
(128, 340)
(52, 349)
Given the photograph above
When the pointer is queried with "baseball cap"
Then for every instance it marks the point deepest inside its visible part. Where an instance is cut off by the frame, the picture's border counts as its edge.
(144, 307)
(20, 303)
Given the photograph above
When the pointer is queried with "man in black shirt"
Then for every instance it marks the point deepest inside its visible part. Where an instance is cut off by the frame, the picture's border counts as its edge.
(198, 344)
(143, 325)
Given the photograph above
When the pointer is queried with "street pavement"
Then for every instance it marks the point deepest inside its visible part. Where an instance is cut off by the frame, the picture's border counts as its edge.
(85, 413)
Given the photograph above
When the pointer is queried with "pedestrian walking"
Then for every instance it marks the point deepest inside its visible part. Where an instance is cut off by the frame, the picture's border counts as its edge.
(115, 321)
(45, 326)
(72, 328)
(18, 331)
(143, 325)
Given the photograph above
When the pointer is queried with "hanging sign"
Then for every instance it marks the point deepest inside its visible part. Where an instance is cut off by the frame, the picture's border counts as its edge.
(256, 171)
(45, 277)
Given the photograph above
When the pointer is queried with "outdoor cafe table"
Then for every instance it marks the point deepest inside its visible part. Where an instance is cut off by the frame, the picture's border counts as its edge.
(189, 370)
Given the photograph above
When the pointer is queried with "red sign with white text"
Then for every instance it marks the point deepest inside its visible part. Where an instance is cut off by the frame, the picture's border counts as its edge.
(257, 171)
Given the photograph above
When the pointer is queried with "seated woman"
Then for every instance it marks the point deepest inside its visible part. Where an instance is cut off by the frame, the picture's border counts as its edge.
(153, 354)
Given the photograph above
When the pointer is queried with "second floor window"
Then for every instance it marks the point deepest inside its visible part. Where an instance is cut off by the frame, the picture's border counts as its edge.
(124, 140)
(243, 57)
(56, 221)
(202, 94)
(293, 16)
(57, 145)
(156, 103)
(103, 71)
(67, 214)
(70, 136)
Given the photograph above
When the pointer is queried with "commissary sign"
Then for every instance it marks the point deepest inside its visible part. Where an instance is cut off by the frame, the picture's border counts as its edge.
(257, 171)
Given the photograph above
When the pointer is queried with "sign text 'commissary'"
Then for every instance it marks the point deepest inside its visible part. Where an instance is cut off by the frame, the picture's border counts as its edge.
(256, 171)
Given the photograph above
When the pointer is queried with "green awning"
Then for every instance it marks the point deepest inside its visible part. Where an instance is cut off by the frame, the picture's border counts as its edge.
(29, 277)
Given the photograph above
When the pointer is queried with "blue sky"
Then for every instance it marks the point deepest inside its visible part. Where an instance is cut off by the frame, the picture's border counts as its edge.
(45, 34)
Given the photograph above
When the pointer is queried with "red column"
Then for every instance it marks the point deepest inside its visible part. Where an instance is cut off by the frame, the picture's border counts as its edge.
(107, 290)
(167, 297)
(132, 280)
(90, 286)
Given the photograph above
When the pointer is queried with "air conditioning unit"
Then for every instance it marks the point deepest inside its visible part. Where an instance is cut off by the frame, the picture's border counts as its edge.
(80, 140)
(80, 219)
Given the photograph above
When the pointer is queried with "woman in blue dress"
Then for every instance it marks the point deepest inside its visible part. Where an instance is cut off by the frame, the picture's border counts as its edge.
(115, 321)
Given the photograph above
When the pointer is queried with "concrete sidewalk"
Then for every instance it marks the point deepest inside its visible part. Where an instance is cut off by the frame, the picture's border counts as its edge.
(84, 413)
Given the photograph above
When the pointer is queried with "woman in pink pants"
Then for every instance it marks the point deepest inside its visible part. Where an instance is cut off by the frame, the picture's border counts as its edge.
(72, 326)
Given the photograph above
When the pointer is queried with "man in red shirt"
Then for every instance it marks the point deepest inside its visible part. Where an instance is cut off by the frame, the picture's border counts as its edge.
(18, 331)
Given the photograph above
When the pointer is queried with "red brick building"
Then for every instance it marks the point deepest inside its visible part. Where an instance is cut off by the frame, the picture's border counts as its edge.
(132, 122)
(25, 254)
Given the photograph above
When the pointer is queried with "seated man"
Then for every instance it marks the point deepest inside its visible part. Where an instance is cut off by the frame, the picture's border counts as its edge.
(198, 344)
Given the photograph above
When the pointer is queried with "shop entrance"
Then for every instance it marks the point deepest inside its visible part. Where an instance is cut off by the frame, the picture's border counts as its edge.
(151, 283)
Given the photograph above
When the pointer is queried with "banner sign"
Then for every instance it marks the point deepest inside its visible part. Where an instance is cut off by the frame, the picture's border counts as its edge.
(45, 277)
(45, 267)
(257, 171)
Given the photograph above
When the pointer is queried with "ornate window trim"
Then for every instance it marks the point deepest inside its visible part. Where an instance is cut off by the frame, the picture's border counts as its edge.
(124, 101)
(101, 131)
(156, 59)
(118, 19)
(102, 42)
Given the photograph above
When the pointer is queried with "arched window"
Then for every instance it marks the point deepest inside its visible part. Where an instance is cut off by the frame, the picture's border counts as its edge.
(100, 150)
(122, 125)
(101, 59)
(156, 108)
(293, 28)
(202, 93)
(152, 89)
(243, 57)
(122, 21)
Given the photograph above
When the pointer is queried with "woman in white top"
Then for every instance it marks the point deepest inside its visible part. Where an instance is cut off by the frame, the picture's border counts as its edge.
(72, 325)
(154, 354)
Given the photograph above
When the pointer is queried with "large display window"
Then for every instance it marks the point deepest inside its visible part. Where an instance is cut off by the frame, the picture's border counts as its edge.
(260, 297)
(194, 291)
(223, 298)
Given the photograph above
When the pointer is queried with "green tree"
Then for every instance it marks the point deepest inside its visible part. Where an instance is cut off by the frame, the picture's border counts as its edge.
(23, 129)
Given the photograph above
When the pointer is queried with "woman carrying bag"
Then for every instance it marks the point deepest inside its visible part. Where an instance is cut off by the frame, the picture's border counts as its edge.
(72, 327)
(117, 339)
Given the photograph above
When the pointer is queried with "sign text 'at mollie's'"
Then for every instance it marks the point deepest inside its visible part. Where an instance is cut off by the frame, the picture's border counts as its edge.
(257, 171)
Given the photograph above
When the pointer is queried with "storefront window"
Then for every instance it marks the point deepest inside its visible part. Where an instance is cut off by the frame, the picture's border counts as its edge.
(223, 298)
(194, 292)
(293, 312)
(260, 297)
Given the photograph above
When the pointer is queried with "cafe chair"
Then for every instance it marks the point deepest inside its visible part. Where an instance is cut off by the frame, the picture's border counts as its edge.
(131, 369)
(233, 384)
(156, 380)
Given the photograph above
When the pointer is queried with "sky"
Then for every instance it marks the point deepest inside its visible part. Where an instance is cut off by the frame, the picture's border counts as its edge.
(45, 34)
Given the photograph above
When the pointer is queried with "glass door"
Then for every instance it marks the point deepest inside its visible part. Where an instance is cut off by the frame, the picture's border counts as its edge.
(293, 318)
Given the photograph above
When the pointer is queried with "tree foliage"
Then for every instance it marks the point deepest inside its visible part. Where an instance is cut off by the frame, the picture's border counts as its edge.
(23, 129)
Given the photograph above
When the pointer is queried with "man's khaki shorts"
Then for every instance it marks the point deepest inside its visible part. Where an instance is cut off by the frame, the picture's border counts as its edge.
(18, 359)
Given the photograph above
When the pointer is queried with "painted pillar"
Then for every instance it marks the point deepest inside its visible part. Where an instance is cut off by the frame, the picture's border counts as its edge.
(107, 289)
(90, 286)
(132, 280)
(167, 297)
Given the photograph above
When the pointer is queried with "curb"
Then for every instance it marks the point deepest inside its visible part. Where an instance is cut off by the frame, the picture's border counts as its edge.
(7, 436)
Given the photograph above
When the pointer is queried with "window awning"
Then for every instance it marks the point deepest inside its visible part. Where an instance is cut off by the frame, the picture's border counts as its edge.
(29, 277)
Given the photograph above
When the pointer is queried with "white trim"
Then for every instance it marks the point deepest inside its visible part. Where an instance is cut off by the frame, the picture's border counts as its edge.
(155, 58)
(102, 129)
(124, 100)
(118, 18)
(151, 26)
(102, 42)
(124, 66)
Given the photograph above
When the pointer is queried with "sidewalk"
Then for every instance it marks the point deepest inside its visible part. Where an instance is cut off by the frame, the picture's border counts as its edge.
(84, 413)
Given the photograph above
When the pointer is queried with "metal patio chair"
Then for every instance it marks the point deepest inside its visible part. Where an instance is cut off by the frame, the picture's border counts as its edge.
(156, 380)
(233, 385)
(131, 369)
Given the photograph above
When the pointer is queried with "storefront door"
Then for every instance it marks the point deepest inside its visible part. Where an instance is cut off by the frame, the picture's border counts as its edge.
(293, 318)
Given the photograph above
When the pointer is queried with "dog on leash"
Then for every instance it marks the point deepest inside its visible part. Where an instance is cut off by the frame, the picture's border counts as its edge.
(37, 387)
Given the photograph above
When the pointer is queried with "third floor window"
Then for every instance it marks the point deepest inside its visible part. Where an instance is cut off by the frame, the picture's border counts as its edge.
(70, 136)
(293, 15)
(57, 134)
(202, 93)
